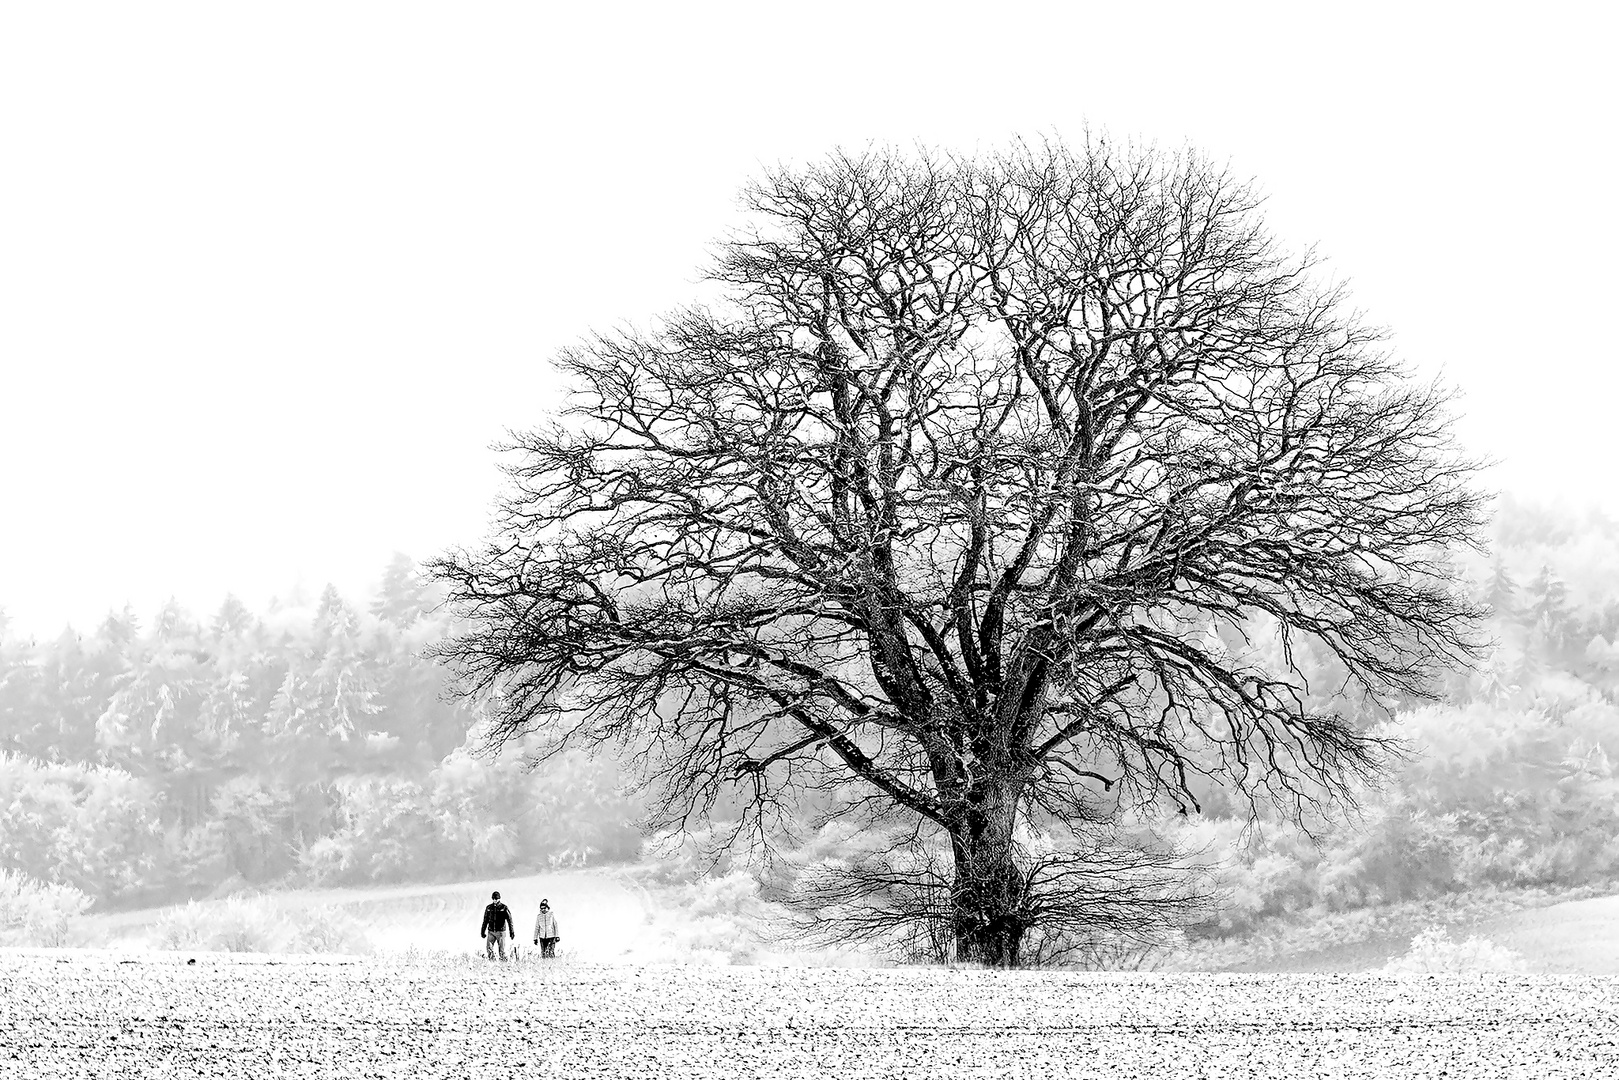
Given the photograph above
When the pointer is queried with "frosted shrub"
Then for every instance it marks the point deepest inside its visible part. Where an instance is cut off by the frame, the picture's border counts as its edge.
(1433, 951)
(184, 927)
(724, 896)
(329, 930)
(257, 925)
(329, 859)
(720, 922)
(571, 857)
(235, 925)
(37, 913)
(242, 924)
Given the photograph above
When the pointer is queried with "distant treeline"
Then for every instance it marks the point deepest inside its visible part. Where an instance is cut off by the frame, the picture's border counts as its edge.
(144, 763)
(1512, 781)
(315, 745)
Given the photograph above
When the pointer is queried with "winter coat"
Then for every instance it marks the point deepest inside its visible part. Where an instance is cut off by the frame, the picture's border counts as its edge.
(545, 925)
(497, 917)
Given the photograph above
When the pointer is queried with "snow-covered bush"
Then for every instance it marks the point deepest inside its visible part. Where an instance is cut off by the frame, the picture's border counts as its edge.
(91, 827)
(37, 913)
(184, 927)
(245, 924)
(328, 929)
(260, 925)
(1433, 951)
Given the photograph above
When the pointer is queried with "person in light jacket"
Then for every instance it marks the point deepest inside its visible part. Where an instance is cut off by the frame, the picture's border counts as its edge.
(497, 921)
(545, 931)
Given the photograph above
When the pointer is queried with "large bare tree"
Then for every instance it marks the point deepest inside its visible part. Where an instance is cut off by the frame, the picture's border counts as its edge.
(960, 497)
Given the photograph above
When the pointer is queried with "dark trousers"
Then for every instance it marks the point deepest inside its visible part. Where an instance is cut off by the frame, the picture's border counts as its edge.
(548, 946)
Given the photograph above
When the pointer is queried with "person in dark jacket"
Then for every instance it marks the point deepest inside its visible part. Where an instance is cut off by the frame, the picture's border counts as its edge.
(497, 923)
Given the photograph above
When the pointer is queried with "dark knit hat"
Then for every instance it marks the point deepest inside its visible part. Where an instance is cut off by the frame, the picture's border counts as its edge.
(495, 895)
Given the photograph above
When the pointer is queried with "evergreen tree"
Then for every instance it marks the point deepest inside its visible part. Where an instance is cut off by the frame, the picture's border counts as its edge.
(1548, 610)
(113, 648)
(71, 694)
(403, 596)
(1608, 620)
(1501, 593)
(230, 706)
(150, 719)
(23, 723)
(288, 715)
(232, 621)
(342, 683)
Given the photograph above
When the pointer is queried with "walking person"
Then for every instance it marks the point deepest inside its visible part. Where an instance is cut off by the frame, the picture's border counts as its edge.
(545, 931)
(497, 923)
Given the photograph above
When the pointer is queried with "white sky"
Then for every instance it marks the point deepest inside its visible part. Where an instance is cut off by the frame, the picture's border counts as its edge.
(274, 276)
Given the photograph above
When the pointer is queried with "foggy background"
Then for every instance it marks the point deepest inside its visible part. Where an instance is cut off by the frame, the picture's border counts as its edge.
(272, 281)
(273, 278)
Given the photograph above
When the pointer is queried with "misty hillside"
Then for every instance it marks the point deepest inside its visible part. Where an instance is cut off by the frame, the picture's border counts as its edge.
(313, 746)
(177, 758)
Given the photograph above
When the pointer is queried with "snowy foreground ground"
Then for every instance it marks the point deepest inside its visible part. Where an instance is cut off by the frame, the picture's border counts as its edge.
(105, 1013)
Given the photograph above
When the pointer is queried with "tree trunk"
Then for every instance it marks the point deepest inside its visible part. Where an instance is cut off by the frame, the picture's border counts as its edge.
(989, 902)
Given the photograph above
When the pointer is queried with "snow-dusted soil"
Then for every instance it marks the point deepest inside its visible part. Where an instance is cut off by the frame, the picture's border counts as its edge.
(106, 1013)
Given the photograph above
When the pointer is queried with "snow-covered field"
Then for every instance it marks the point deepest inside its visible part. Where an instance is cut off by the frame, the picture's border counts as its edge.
(611, 916)
(107, 1013)
(630, 915)
(1577, 937)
